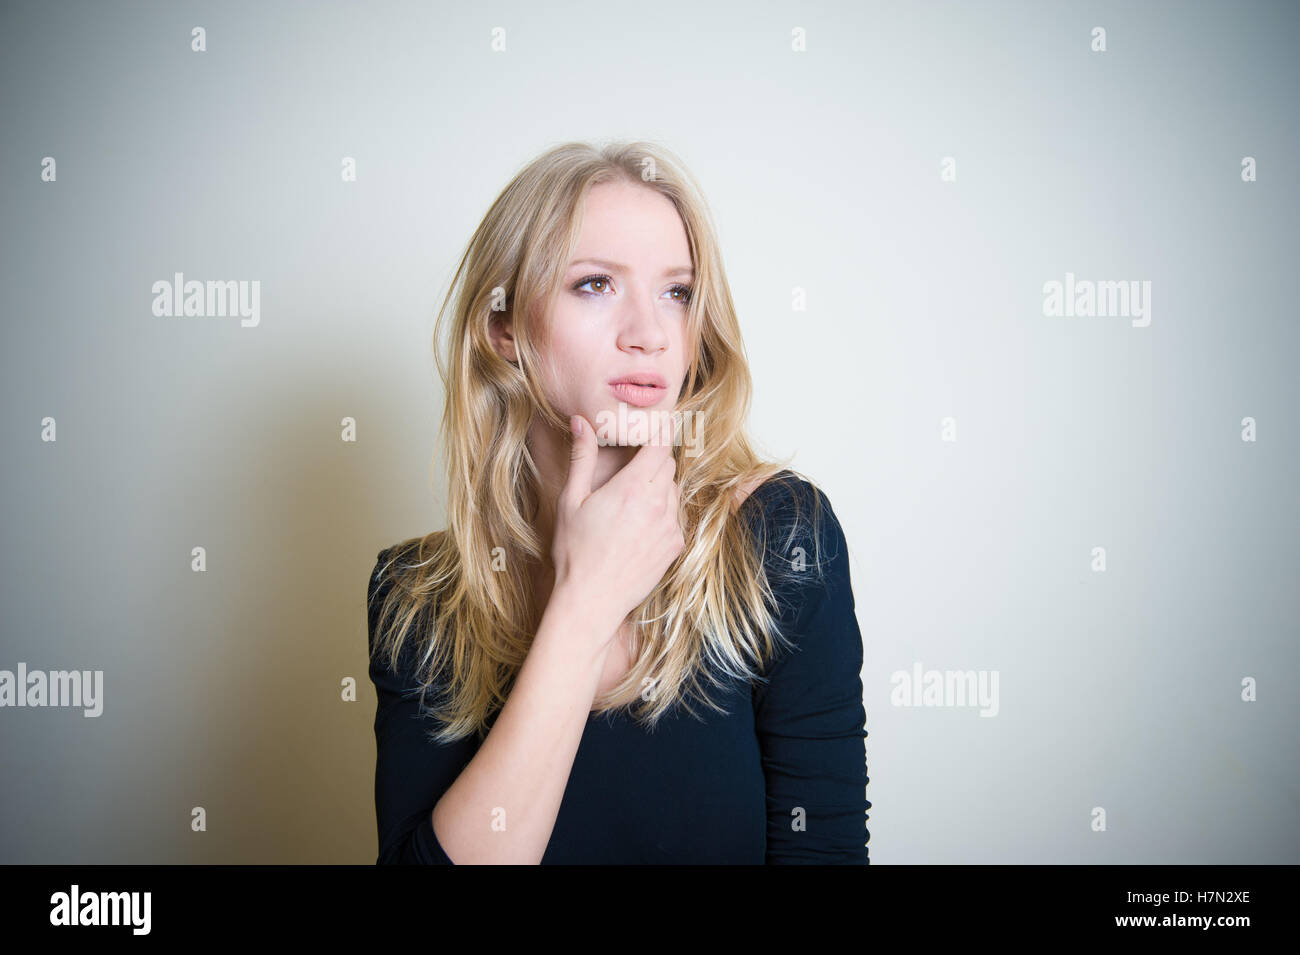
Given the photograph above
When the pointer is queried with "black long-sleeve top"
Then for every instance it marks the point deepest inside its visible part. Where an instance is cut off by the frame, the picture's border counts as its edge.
(781, 779)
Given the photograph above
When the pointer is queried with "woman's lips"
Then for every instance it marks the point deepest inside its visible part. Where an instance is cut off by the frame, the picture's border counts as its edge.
(640, 395)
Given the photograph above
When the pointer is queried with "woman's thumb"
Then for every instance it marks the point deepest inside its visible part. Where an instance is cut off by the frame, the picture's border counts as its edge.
(582, 460)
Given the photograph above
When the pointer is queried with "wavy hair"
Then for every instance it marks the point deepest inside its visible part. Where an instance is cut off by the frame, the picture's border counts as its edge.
(463, 594)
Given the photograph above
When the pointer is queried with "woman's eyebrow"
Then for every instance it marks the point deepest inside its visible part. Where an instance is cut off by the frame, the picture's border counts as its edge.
(616, 267)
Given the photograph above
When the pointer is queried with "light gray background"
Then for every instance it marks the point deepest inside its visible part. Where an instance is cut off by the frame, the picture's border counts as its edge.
(1118, 689)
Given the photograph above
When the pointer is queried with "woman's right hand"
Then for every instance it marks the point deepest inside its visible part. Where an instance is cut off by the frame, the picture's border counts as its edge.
(612, 546)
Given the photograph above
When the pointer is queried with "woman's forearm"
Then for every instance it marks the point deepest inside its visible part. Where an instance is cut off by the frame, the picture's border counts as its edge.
(502, 807)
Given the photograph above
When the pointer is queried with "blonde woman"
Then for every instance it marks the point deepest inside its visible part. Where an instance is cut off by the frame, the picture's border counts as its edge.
(635, 641)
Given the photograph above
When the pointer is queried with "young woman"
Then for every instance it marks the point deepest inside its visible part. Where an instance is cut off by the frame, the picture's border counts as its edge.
(635, 641)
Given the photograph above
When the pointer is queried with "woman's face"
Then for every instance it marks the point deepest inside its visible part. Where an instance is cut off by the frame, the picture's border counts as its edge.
(621, 312)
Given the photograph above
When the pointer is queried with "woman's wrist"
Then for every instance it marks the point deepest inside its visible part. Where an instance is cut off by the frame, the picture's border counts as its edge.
(577, 609)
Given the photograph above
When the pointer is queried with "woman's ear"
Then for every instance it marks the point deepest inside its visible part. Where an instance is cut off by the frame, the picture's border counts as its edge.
(501, 334)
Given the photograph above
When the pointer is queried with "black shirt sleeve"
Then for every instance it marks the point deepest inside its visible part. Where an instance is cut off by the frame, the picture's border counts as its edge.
(411, 771)
(810, 718)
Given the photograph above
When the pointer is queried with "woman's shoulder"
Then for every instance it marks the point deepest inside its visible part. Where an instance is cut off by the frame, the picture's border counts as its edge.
(798, 531)
(393, 565)
(786, 497)
(395, 664)
(403, 556)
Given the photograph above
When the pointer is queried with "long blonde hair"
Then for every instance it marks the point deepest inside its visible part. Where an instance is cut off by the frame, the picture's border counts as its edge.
(464, 593)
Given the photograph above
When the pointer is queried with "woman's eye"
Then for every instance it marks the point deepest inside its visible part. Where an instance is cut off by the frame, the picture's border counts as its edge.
(600, 285)
(593, 280)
